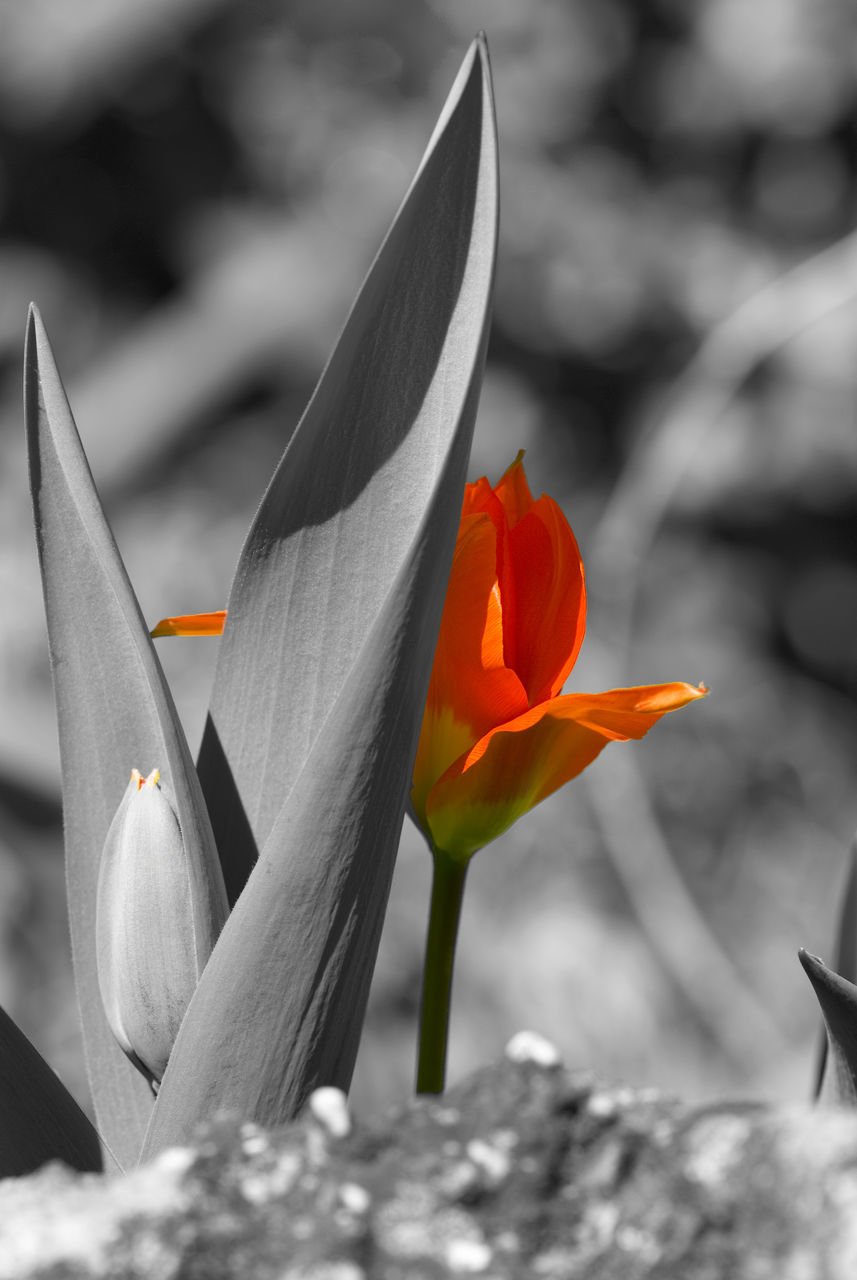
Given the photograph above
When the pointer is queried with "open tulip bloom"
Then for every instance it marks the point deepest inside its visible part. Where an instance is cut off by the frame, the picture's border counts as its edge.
(497, 734)
(225, 912)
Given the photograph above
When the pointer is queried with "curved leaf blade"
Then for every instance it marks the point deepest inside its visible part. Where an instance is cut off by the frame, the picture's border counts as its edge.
(314, 724)
(114, 711)
(39, 1119)
(347, 498)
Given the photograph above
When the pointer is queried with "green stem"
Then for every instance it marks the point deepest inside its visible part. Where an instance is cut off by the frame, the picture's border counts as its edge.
(446, 894)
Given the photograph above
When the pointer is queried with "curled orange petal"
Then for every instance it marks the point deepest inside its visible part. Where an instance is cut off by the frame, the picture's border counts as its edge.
(191, 624)
(517, 764)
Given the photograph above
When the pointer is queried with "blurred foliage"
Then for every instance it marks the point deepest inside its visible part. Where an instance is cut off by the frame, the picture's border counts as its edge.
(192, 190)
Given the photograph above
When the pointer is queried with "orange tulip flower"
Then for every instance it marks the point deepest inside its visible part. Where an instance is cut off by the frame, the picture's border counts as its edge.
(497, 735)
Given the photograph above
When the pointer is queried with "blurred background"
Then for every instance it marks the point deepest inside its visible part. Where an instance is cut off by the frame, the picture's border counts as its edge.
(192, 191)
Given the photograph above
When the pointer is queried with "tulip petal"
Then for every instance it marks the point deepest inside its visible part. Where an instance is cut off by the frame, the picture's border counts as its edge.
(550, 599)
(480, 497)
(514, 493)
(520, 763)
(191, 624)
(540, 570)
(471, 689)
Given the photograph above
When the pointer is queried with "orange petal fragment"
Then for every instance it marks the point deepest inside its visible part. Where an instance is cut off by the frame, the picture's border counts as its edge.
(518, 764)
(191, 624)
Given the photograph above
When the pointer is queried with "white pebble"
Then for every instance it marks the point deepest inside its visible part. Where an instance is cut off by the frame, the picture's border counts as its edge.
(354, 1198)
(445, 1115)
(467, 1255)
(494, 1163)
(529, 1046)
(175, 1160)
(329, 1106)
(253, 1140)
(602, 1105)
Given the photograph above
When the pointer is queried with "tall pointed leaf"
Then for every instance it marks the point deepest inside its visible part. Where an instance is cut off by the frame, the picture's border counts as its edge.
(348, 497)
(327, 651)
(845, 951)
(39, 1119)
(838, 999)
(114, 711)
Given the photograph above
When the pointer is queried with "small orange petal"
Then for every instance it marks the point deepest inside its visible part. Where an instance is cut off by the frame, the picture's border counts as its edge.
(518, 764)
(479, 498)
(191, 624)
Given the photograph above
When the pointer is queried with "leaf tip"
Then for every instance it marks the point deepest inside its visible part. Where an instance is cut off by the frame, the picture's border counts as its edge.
(37, 352)
(33, 338)
(821, 977)
(30, 335)
(827, 985)
(481, 54)
(36, 335)
(838, 1000)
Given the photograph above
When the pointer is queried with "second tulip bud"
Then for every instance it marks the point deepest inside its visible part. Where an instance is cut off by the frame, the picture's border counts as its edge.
(147, 955)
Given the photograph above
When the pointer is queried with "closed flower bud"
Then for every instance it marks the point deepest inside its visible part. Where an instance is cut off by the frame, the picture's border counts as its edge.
(146, 955)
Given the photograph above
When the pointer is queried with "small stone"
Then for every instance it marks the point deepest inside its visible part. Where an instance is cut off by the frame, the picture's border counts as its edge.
(274, 1183)
(337, 1269)
(445, 1115)
(641, 1244)
(354, 1198)
(254, 1141)
(529, 1046)
(329, 1106)
(494, 1163)
(716, 1147)
(508, 1242)
(602, 1105)
(458, 1180)
(176, 1160)
(467, 1255)
(504, 1139)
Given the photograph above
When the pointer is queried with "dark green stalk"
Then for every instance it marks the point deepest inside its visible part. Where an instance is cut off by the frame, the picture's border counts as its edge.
(446, 894)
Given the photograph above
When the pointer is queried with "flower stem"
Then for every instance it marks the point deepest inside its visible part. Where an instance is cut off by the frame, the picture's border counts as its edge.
(446, 894)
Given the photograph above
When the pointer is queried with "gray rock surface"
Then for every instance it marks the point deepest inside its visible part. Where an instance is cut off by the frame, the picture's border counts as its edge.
(524, 1170)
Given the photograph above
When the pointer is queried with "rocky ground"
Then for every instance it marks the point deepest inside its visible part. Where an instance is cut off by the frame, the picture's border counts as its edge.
(524, 1170)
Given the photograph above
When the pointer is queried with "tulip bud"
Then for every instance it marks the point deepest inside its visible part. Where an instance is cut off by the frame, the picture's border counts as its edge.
(145, 950)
